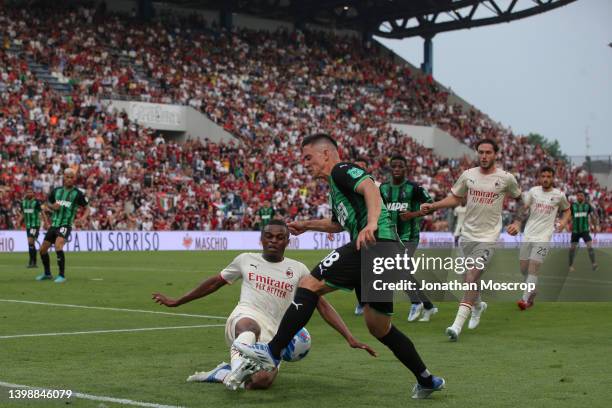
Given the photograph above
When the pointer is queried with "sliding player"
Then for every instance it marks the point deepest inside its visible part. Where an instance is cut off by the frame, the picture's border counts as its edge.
(270, 281)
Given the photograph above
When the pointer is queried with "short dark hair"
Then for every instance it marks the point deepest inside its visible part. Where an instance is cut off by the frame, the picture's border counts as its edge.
(276, 222)
(318, 137)
(547, 169)
(398, 157)
(582, 192)
(488, 141)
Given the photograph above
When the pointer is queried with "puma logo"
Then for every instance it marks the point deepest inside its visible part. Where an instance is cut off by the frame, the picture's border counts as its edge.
(297, 305)
(254, 266)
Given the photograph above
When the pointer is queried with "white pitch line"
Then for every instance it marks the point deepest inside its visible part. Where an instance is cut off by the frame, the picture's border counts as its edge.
(14, 336)
(122, 401)
(116, 309)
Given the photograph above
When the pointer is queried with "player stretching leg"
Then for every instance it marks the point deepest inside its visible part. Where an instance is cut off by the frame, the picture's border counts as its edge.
(270, 281)
(356, 207)
(64, 201)
(485, 188)
(543, 202)
(581, 211)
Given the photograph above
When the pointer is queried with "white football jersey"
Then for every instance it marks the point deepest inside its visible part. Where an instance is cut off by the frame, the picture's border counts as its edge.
(543, 207)
(485, 199)
(268, 287)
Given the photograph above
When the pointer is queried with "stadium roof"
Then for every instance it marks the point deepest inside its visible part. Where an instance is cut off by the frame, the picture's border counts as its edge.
(386, 18)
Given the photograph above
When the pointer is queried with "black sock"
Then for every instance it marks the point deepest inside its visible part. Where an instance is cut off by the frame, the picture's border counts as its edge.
(591, 254)
(45, 261)
(32, 251)
(428, 305)
(572, 254)
(404, 350)
(61, 262)
(296, 317)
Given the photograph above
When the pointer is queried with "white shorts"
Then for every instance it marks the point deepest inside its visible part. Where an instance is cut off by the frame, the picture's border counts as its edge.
(534, 251)
(474, 249)
(268, 329)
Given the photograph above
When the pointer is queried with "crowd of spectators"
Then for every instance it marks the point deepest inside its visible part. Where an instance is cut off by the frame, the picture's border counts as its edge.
(266, 88)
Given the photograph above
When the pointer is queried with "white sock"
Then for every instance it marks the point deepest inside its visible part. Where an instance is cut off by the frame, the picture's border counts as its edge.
(246, 337)
(462, 315)
(220, 375)
(530, 279)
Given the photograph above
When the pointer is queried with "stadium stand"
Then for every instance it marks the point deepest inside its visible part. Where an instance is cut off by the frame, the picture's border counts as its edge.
(266, 88)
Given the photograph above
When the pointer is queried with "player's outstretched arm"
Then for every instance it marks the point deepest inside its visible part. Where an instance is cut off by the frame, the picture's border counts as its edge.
(332, 318)
(322, 225)
(205, 288)
(449, 201)
(519, 218)
(84, 218)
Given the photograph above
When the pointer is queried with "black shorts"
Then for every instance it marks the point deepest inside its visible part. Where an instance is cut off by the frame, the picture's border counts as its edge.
(586, 237)
(341, 269)
(55, 232)
(33, 232)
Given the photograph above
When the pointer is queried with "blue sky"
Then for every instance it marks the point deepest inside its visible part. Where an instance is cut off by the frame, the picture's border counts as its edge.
(550, 73)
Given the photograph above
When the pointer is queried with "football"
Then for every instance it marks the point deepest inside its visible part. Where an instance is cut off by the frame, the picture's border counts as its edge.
(298, 347)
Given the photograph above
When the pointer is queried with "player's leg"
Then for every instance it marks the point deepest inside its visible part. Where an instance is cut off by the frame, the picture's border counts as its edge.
(246, 331)
(419, 301)
(50, 237)
(379, 324)
(61, 259)
(470, 306)
(31, 248)
(532, 279)
(572, 252)
(589, 243)
(524, 254)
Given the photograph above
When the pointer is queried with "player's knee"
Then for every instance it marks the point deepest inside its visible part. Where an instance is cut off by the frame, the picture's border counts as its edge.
(261, 381)
(248, 325)
(378, 326)
(311, 283)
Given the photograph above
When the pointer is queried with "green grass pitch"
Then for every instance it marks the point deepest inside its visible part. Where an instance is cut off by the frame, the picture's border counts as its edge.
(554, 355)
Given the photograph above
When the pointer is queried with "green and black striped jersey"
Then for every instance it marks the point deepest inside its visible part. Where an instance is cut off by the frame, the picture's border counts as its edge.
(349, 207)
(69, 201)
(31, 213)
(407, 196)
(266, 214)
(580, 217)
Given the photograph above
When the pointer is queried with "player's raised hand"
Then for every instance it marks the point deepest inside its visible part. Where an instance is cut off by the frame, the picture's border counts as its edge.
(427, 208)
(366, 236)
(297, 227)
(164, 300)
(354, 343)
(513, 228)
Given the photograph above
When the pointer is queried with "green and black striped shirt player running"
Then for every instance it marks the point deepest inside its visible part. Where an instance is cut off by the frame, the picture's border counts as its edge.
(64, 201)
(30, 215)
(581, 228)
(357, 208)
(403, 199)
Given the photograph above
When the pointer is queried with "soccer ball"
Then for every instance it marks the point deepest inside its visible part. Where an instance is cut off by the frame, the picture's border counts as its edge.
(298, 347)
